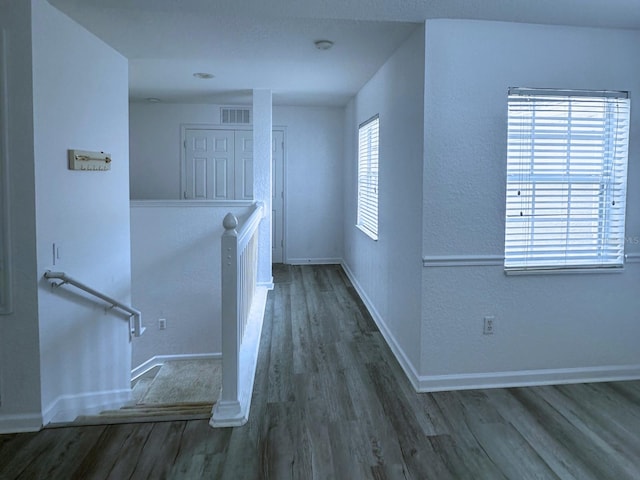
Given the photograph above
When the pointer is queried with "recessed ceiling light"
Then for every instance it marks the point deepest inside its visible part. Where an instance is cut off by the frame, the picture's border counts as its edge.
(323, 44)
(152, 100)
(203, 75)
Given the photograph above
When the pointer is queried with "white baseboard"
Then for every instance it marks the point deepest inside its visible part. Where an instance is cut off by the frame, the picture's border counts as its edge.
(20, 423)
(67, 407)
(268, 285)
(527, 378)
(236, 413)
(314, 261)
(398, 352)
(159, 360)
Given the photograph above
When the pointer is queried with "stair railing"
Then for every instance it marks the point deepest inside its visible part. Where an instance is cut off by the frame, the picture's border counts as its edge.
(135, 316)
(239, 280)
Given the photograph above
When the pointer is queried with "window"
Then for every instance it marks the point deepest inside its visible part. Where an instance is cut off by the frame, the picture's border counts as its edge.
(566, 179)
(368, 135)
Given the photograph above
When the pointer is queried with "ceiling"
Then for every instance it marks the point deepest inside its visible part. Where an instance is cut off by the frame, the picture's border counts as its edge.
(251, 44)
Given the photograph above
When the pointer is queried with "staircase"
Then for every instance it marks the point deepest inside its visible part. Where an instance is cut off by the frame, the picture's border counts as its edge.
(177, 390)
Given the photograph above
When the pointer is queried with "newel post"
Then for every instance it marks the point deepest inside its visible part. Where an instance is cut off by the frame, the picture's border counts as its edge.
(230, 336)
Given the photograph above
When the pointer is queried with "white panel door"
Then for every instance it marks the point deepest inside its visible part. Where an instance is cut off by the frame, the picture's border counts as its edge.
(209, 164)
(277, 200)
(219, 166)
(243, 174)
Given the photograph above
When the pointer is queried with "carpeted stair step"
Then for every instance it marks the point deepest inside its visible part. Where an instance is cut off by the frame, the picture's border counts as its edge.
(178, 390)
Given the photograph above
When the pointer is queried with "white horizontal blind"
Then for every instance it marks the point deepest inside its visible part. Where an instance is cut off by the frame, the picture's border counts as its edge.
(566, 179)
(368, 137)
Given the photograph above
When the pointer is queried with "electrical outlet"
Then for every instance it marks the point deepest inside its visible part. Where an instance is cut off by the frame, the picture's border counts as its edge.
(162, 323)
(489, 325)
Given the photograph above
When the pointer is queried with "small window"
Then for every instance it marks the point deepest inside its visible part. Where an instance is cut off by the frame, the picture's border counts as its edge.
(368, 136)
(566, 179)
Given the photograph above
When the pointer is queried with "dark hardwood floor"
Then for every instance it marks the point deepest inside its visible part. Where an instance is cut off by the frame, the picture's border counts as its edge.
(331, 402)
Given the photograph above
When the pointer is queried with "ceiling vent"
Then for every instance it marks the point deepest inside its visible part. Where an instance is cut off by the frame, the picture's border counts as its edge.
(235, 116)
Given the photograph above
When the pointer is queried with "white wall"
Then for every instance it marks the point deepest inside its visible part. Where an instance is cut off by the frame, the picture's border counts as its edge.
(58, 352)
(313, 183)
(175, 250)
(548, 327)
(155, 147)
(19, 357)
(387, 272)
(80, 90)
(313, 159)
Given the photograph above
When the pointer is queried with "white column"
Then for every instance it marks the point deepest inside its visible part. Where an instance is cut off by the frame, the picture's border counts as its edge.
(262, 127)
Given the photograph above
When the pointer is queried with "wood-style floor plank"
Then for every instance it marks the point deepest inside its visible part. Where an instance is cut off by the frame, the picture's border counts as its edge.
(469, 451)
(281, 358)
(548, 447)
(11, 445)
(201, 455)
(162, 442)
(331, 402)
(127, 461)
(584, 443)
(106, 452)
(59, 452)
(500, 440)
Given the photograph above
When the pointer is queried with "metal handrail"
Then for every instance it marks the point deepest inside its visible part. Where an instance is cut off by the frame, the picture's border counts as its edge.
(136, 329)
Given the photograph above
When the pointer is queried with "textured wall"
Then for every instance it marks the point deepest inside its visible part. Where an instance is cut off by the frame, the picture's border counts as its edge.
(388, 270)
(80, 101)
(313, 184)
(313, 163)
(546, 322)
(175, 269)
(155, 146)
(262, 177)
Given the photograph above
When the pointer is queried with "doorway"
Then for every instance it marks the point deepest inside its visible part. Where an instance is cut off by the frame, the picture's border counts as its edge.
(277, 197)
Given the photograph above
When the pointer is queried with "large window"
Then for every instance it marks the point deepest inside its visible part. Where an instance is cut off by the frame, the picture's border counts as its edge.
(566, 179)
(368, 135)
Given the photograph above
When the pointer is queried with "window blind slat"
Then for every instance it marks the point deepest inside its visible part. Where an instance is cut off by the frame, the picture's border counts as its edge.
(368, 146)
(566, 178)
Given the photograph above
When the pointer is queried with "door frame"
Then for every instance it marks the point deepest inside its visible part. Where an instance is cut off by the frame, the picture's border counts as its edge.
(6, 297)
(283, 129)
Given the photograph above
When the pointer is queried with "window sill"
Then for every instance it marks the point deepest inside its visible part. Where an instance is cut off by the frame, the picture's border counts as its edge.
(565, 271)
(367, 233)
